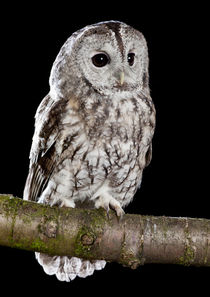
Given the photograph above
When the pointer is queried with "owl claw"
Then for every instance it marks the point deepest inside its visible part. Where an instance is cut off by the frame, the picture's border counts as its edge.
(107, 213)
(106, 207)
(120, 213)
(107, 202)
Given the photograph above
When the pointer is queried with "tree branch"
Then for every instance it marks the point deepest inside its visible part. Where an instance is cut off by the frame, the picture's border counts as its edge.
(89, 234)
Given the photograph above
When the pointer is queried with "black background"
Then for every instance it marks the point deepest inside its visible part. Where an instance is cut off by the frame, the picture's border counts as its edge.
(176, 182)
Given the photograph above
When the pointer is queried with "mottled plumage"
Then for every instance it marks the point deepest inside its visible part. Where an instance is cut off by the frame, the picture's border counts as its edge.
(93, 131)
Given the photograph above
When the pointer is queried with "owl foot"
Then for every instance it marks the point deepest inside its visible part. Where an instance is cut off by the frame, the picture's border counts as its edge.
(67, 203)
(106, 201)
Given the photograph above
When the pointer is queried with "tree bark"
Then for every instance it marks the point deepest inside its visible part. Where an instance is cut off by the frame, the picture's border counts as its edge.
(90, 234)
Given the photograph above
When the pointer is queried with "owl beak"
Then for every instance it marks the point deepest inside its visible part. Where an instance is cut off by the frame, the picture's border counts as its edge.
(122, 77)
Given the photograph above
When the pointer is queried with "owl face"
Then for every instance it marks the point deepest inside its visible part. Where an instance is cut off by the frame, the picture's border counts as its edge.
(109, 57)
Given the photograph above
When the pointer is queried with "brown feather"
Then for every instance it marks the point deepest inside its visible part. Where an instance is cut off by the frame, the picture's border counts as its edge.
(43, 153)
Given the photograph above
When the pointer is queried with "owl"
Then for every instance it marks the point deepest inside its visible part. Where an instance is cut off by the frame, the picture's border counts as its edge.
(93, 130)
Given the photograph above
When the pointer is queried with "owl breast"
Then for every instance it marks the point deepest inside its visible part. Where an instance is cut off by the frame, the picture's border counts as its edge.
(104, 144)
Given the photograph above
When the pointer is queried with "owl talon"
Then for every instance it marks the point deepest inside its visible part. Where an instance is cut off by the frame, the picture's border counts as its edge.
(107, 202)
(106, 207)
(107, 213)
(120, 213)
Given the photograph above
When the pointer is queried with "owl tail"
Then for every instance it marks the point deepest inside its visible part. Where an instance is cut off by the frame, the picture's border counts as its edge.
(66, 269)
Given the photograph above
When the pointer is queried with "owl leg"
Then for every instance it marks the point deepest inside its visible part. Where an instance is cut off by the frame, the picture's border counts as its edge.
(105, 200)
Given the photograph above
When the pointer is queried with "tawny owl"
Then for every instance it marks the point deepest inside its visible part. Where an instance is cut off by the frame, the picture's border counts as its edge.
(93, 131)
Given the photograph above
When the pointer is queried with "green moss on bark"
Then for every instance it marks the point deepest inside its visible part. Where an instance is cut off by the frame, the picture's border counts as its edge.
(188, 258)
(89, 233)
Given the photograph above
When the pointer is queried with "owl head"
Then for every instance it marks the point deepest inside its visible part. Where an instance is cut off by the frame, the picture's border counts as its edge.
(109, 57)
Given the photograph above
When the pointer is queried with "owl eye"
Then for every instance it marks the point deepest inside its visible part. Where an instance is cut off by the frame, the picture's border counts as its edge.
(100, 60)
(131, 58)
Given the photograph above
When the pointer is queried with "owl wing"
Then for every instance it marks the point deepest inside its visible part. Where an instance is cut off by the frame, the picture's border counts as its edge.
(148, 156)
(43, 153)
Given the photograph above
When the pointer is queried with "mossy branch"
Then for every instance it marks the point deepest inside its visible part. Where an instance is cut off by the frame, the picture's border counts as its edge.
(90, 234)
